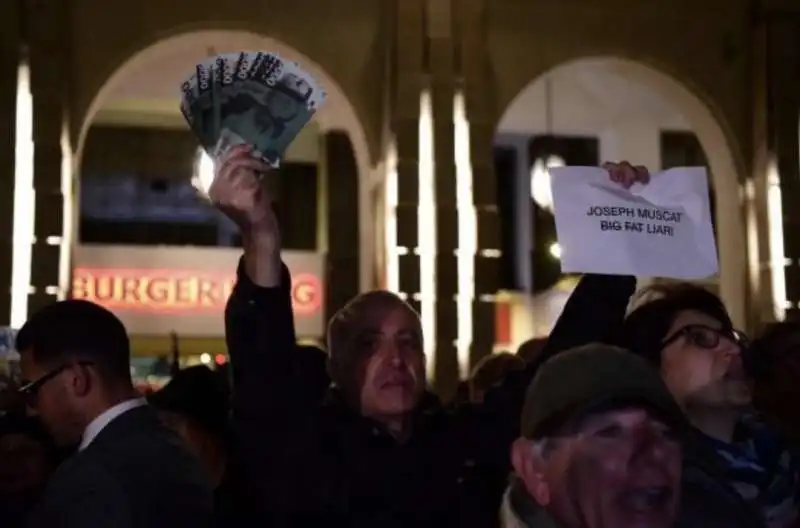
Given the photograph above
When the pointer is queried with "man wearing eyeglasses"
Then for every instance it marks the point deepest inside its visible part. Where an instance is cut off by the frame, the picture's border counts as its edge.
(129, 470)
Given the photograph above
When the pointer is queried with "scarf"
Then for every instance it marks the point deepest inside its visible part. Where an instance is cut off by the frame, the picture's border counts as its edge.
(762, 470)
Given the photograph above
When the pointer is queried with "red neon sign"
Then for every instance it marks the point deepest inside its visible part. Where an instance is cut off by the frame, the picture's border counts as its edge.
(169, 290)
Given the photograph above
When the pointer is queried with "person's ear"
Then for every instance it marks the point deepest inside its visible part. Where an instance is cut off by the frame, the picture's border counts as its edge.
(81, 380)
(529, 465)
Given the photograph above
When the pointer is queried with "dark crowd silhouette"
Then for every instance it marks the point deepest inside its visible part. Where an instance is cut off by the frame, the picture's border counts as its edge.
(636, 411)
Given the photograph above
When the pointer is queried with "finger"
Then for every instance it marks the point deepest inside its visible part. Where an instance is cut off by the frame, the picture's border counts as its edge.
(642, 174)
(611, 168)
(241, 161)
(227, 165)
(233, 152)
(627, 173)
(248, 168)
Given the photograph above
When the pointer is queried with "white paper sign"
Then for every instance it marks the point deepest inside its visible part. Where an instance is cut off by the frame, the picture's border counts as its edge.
(662, 229)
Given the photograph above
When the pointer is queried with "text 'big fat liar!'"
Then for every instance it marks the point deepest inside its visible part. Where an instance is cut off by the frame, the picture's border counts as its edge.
(636, 219)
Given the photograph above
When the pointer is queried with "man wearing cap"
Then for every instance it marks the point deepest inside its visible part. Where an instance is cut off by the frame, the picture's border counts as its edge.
(599, 445)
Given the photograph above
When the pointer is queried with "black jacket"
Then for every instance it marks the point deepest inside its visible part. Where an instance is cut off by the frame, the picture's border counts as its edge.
(324, 463)
(135, 474)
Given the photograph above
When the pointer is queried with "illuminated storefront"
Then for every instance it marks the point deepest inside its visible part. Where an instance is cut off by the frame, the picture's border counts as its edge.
(158, 291)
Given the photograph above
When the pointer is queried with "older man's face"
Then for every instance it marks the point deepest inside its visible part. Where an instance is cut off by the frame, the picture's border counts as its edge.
(619, 469)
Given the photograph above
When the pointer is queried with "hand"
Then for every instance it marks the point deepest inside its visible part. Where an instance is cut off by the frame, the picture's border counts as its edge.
(237, 191)
(626, 174)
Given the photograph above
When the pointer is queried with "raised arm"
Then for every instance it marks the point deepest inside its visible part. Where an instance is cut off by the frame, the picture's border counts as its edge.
(259, 327)
(594, 312)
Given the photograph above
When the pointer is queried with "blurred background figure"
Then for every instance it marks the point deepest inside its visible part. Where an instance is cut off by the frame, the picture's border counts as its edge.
(27, 459)
(530, 349)
(195, 405)
(774, 363)
(491, 371)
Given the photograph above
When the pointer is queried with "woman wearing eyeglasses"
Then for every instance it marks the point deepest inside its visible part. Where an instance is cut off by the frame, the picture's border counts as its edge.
(736, 471)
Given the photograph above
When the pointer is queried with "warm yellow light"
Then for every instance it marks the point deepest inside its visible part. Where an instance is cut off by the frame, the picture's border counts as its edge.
(426, 231)
(467, 234)
(541, 191)
(555, 251)
(68, 218)
(24, 201)
(776, 253)
(203, 173)
(390, 224)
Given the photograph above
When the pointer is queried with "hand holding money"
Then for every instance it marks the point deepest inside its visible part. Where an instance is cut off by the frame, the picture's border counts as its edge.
(238, 191)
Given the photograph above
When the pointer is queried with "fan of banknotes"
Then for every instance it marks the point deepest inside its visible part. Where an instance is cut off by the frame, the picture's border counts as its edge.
(249, 97)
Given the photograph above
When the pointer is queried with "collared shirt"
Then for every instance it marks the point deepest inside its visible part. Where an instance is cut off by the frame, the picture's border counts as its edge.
(105, 418)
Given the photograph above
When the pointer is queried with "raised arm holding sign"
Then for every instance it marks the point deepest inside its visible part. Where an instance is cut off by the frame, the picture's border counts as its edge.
(634, 223)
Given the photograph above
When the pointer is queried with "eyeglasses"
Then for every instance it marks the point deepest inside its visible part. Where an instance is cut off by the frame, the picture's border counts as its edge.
(30, 390)
(707, 337)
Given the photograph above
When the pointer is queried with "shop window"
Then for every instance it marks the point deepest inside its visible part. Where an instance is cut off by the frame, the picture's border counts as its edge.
(683, 149)
(570, 150)
(136, 189)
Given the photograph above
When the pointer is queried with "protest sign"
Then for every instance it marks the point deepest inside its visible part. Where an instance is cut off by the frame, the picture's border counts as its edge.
(256, 98)
(662, 229)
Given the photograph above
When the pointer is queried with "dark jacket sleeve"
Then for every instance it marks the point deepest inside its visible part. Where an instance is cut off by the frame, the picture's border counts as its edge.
(259, 333)
(594, 312)
(271, 421)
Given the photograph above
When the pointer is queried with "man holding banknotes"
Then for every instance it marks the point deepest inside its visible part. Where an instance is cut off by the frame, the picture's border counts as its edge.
(381, 451)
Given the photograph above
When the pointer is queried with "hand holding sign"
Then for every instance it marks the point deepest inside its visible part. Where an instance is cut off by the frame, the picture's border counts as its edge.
(623, 227)
(626, 174)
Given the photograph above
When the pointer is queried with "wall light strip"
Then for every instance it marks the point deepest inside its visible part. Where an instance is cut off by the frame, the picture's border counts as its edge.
(390, 225)
(777, 257)
(68, 222)
(24, 201)
(426, 231)
(467, 234)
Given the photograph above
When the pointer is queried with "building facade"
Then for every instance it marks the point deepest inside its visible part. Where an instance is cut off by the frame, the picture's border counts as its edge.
(418, 89)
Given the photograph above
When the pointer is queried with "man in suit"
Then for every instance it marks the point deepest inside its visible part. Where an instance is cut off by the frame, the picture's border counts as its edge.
(129, 470)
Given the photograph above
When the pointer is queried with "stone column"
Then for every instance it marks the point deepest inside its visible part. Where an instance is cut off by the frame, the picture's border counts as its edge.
(782, 46)
(10, 48)
(408, 79)
(338, 187)
(47, 35)
(481, 113)
(441, 66)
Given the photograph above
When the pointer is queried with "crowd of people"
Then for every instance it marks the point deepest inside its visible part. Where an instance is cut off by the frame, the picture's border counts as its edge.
(653, 413)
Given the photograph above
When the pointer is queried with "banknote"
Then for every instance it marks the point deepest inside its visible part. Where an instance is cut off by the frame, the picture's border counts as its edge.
(249, 97)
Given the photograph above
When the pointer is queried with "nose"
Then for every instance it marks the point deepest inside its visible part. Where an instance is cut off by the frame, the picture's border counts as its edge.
(395, 355)
(650, 443)
(729, 347)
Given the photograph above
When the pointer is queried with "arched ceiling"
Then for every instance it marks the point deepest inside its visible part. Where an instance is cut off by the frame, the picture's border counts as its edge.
(587, 97)
(147, 93)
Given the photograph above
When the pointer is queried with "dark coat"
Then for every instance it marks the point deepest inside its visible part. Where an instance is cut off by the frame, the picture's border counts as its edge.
(312, 463)
(135, 474)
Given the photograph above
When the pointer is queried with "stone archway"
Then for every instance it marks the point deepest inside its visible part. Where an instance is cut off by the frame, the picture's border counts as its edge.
(725, 162)
(339, 114)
